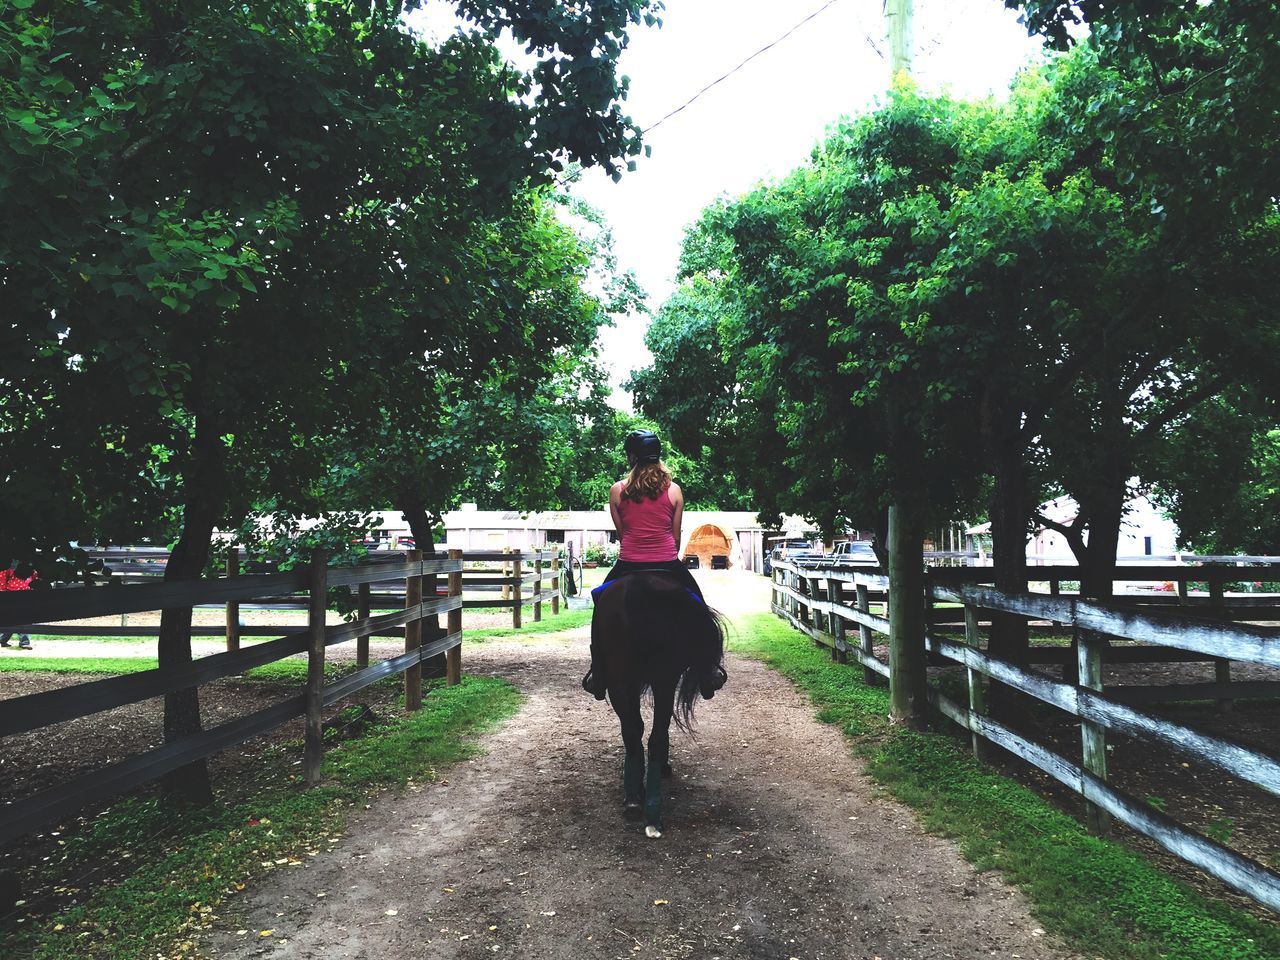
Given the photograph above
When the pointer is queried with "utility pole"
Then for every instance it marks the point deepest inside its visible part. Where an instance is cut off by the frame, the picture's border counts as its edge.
(899, 15)
(908, 698)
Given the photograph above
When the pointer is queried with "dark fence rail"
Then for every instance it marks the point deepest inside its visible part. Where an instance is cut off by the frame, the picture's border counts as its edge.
(813, 598)
(37, 710)
(521, 577)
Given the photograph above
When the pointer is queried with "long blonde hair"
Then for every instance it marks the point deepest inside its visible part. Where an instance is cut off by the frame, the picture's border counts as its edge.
(647, 480)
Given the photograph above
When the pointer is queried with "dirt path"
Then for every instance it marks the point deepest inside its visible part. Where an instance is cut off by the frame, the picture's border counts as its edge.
(776, 846)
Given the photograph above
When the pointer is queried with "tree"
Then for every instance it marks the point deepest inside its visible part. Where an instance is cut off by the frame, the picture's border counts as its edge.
(239, 205)
(1180, 311)
(1219, 476)
(841, 390)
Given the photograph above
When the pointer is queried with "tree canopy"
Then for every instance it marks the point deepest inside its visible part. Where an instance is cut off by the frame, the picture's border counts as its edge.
(231, 234)
(953, 300)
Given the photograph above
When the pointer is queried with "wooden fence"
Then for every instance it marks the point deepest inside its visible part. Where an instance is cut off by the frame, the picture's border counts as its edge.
(33, 711)
(814, 598)
(521, 578)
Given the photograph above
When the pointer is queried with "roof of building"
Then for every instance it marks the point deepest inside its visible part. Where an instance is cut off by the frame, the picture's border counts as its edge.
(598, 520)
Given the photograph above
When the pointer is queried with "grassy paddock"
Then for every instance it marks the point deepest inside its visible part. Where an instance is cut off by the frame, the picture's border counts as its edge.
(565, 620)
(207, 855)
(293, 668)
(1100, 896)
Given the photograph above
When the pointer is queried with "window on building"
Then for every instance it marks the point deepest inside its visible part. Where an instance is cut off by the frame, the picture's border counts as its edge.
(1146, 546)
(555, 536)
(613, 536)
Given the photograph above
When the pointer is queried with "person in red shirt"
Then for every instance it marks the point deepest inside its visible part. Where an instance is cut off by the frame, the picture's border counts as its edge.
(647, 507)
(19, 576)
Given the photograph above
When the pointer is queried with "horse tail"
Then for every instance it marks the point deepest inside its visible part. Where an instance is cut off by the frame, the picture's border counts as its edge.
(706, 629)
(680, 631)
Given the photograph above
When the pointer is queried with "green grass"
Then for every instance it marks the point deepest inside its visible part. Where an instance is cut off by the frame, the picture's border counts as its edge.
(294, 668)
(76, 664)
(177, 885)
(39, 638)
(565, 620)
(1098, 895)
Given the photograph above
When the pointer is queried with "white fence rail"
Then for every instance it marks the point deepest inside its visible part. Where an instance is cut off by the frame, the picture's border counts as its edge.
(814, 598)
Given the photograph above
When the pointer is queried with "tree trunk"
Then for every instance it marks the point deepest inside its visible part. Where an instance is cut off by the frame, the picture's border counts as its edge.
(1009, 514)
(199, 514)
(1106, 514)
(880, 539)
(415, 514)
(908, 694)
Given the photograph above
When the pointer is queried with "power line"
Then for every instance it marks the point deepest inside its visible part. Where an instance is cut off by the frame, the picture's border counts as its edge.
(762, 50)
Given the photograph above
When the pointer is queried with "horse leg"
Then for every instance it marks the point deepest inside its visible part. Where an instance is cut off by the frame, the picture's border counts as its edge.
(627, 707)
(664, 698)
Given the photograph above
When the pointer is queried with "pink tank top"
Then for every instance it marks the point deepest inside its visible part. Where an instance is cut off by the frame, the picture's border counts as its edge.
(646, 530)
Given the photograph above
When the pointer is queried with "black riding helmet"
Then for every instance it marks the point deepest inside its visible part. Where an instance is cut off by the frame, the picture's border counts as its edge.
(643, 446)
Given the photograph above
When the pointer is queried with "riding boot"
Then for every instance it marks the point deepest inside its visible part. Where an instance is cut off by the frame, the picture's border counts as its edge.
(594, 685)
(710, 682)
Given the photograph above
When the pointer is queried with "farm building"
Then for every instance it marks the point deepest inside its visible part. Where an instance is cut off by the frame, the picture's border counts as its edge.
(707, 533)
(1145, 533)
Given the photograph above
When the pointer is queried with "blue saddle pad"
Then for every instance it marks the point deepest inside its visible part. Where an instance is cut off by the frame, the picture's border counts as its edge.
(596, 591)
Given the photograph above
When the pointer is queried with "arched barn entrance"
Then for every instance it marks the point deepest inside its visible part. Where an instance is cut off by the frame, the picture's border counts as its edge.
(714, 548)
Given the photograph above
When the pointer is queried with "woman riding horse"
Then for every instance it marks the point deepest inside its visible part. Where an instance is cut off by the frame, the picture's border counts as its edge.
(651, 630)
(647, 508)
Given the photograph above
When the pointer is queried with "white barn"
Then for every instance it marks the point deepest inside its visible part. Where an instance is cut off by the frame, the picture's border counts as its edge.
(1145, 532)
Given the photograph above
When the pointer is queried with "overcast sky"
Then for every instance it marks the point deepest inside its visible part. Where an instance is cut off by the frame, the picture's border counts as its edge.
(764, 119)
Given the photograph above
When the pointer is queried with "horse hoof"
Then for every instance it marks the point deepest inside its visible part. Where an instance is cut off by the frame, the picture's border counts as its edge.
(632, 809)
(652, 832)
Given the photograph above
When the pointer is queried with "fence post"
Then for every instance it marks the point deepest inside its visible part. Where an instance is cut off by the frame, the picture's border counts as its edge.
(815, 615)
(233, 606)
(506, 572)
(977, 692)
(516, 591)
(453, 658)
(1221, 667)
(413, 633)
(362, 612)
(537, 587)
(313, 753)
(555, 584)
(835, 593)
(865, 642)
(1093, 738)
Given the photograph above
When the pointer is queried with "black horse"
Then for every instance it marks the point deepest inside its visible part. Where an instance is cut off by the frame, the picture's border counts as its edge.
(650, 633)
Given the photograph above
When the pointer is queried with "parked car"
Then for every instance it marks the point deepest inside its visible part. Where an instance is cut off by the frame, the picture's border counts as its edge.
(857, 552)
(790, 550)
